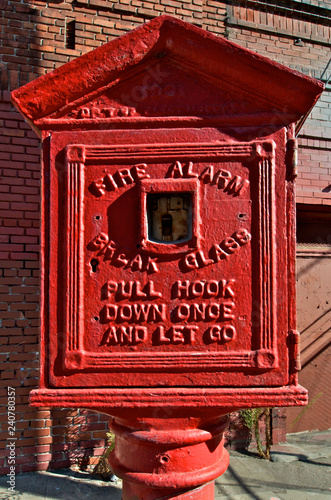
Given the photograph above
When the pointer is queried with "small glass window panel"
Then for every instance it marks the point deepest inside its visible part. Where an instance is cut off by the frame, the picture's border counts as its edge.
(169, 217)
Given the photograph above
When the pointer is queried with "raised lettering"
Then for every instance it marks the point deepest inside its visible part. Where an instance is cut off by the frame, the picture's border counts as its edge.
(225, 290)
(141, 312)
(124, 290)
(108, 313)
(192, 329)
(197, 288)
(222, 178)
(125, 313)
(205, 311)
(157, 312)
(220, 334)
(242, 236)
(109, 250)
(183, 312)
(212, 311)
(207, 175)
(236, 185)
(182, 289)
(151, 266)
(190, 261)
(98, 187)
(160, 337)
(139, 172)
(138, 313)
(132, 290)
(176, 170)
(109, 288)
(178, 334)
(125, 334)
(129, 335)
(188, 171)
(207, 289)
(151, 293)
(124, 177)
(121, 259)
(136, 263)
(109, 183)
(211, 288)
(198, 312)
(203, 261)
(228, 333)
(99, 242)
(227, 310)
(229, 245)
(84, 113)
(138, 291)
(217, 253)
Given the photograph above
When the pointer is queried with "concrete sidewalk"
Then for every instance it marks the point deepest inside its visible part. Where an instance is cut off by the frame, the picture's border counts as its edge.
(301, 470)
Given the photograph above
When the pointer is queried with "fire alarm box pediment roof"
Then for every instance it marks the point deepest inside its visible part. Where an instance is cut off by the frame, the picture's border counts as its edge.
(170, 70)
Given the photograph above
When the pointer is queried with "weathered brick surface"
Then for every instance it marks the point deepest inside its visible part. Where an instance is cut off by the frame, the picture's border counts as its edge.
(299, 37)
(33, 42)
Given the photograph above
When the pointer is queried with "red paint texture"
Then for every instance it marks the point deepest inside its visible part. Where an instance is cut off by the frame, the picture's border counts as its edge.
(168, 244)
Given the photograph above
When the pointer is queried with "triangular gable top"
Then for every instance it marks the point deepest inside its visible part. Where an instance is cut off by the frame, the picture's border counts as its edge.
(168, 69)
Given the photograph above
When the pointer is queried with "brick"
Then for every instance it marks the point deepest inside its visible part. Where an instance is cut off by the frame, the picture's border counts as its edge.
(11, 247)
(12, 214)
(25, 189)
(25, 157)
(55, 57)
(99, 434)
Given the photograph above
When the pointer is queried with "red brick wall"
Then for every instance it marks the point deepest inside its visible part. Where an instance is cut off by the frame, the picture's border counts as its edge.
(19, 235)
(33, 38)
(314, 171)
(297, 35)
(33, 42)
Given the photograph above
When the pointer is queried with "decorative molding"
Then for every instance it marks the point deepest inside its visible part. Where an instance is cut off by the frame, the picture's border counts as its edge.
(169, 151)
(74, 311)
(260, 154)
(220, 397)
(267, 253)
(257, 119)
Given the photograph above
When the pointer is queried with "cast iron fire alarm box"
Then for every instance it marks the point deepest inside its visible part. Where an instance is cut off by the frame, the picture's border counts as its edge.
(168, 219)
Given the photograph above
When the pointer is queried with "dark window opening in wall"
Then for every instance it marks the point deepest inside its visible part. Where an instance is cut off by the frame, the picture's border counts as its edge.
(70, 34)
(314, 229)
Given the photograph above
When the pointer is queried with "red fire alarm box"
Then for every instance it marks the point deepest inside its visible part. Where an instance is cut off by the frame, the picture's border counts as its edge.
(168, 222)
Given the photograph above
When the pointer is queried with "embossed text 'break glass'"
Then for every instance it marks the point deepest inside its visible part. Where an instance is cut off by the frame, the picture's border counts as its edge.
(169, 217)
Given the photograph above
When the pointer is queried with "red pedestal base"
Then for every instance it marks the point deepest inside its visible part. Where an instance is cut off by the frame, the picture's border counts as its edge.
(170, 457)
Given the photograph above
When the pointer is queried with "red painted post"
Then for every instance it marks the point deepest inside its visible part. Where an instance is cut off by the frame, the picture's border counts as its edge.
(168, 245)
(159, 457)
